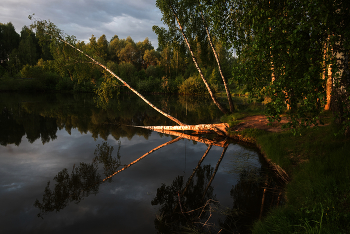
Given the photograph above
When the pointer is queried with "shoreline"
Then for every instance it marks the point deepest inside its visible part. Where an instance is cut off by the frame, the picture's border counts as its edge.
(313, 167)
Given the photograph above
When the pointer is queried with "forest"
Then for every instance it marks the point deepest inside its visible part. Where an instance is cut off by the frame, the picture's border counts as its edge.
(27, 64)
(293, 55)
(290, 55)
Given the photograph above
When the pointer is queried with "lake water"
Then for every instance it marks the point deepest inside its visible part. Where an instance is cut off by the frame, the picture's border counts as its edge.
(67, 166)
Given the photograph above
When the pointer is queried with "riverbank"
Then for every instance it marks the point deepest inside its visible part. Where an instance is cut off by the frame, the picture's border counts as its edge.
(316, 164)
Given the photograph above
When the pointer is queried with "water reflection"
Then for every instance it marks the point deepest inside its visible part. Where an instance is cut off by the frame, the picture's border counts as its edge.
(254, 194)
(41, 116)
(41, 134)
(187, 206)
(85, 178)
(191, 207)
(83, 181)
(183, 204)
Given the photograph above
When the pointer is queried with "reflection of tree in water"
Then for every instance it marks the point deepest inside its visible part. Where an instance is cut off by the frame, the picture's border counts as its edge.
(41, 116)
(15, 123)
(11, 132)
(252, 196)
(81, 182)
(182, 208)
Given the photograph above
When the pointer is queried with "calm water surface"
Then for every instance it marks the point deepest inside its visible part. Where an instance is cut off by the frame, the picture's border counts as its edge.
(67, 166)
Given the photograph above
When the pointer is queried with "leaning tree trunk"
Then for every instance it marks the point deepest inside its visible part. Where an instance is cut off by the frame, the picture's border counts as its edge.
(127, 85)
(196, 64)
(219, 65)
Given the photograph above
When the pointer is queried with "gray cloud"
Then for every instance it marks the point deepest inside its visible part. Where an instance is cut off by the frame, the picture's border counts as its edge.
(83, 18)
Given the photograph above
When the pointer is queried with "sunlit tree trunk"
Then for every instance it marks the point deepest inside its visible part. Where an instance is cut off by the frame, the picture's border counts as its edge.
(196, 64)
(219, 66)
(327, 75)
(220, 129)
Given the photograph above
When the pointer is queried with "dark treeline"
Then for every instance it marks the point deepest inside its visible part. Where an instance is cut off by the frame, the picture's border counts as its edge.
(42, 66)
(39, 117)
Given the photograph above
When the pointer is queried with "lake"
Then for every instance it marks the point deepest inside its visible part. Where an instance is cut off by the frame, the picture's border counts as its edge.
(68, 166)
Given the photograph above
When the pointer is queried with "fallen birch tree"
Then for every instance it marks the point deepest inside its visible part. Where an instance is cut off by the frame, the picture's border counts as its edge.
(220, 129)
(49, 31)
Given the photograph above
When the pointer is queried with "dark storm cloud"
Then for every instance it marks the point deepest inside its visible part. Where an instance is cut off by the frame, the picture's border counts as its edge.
(83, 18)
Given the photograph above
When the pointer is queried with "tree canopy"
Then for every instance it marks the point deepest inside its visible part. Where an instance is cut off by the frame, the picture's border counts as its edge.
(286, 49)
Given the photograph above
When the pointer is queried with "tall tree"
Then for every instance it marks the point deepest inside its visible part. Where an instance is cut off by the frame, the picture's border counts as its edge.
(142, 47)
(150, 57)
(28, 46)
(129, 53)
(195, 26)
(285, 40)
(201, 9)
(115, 46)
(102, 47)
(9, 40)
(174, 13)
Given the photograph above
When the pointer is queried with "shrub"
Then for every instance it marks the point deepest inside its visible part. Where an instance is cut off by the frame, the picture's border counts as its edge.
(154, 71)
(171, 85)
(29, 71)
(64, 84)
(195, 85)
(2, 71)
(150, 85)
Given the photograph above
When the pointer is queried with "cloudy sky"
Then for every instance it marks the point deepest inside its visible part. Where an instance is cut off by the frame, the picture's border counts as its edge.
(83, 18)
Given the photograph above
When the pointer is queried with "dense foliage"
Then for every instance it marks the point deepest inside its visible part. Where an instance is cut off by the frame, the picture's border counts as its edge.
(286, 50)
(292, 54)
(32, 61)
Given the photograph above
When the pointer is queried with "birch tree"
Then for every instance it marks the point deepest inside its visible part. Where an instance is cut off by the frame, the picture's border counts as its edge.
(65, 44)
(293, 36)
(175, 15)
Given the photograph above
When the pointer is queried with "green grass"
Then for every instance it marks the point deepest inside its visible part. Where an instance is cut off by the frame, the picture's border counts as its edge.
(318, 195)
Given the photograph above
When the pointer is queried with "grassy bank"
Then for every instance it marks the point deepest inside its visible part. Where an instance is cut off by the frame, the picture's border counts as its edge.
(318, 194)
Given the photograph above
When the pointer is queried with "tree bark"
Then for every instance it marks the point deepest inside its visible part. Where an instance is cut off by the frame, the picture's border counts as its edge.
(327, 75)
(221, 129)
(196, 64)
(219, 65)
(222, 143)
